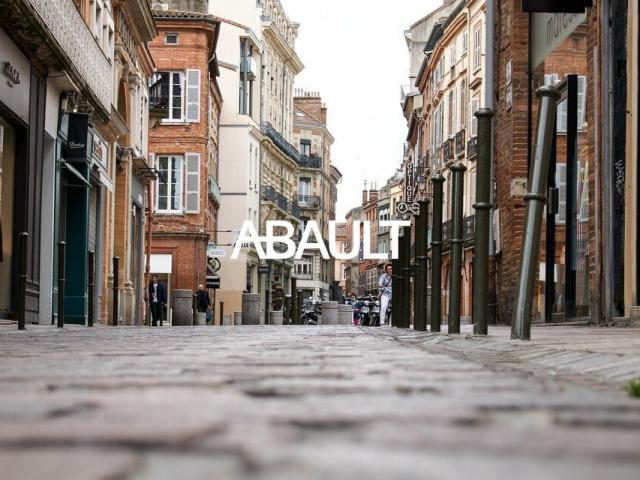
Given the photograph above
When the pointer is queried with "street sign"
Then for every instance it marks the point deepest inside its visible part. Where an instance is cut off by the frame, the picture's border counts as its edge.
(404, 208)
(263, 269)
(214, 252)
(213, 281)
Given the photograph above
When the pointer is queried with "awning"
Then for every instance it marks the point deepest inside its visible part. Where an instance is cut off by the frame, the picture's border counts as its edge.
(161, 263)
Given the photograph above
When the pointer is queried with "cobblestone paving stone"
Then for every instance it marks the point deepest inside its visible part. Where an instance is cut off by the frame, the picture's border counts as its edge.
(300, 402)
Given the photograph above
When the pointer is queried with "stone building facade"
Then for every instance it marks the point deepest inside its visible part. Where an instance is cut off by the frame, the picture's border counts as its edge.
(317, 180)
(184, 145)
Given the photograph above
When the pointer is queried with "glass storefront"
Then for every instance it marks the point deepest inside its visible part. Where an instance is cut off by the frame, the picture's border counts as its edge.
(563, 281)
(7, 166)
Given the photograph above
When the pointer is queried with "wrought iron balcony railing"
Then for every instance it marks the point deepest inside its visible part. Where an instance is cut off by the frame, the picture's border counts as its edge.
(448, 150)
(282, 202)
(280, 142)
(460, 142)
(469, 227)
(310, 161)
(472, 148)
(159, 96)
(309, 201)
(268, 194)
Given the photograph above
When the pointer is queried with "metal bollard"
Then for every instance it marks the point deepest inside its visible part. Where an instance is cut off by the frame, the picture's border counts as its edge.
(420, 290)
(294, 301)
(299, 307)
(436, 254)
(116, 306)
(406, 278)
(535, 200)
(221, 313)
(395, 290)
(62, 247)
(457, 196)
(91, 285)
(399, 283)
(22, 293)
(482, 208)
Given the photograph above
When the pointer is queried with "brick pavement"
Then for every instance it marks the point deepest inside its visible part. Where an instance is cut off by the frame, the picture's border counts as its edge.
(299, 402)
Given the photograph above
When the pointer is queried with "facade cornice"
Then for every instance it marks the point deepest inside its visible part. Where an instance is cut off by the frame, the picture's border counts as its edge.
(289, 55)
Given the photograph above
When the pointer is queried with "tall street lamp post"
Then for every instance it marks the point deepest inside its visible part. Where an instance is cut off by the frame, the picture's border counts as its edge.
(420, 285)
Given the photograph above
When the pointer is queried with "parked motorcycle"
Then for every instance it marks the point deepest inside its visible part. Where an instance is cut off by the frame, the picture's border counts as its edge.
(310, 312)
(369, 311)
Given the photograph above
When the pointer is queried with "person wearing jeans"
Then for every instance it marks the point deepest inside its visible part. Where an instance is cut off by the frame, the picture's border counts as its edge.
(384, 284)
(157, 300)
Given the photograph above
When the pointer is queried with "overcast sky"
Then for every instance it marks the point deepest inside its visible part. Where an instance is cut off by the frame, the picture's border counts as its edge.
(355, 55)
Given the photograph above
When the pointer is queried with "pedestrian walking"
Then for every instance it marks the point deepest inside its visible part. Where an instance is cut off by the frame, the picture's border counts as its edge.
(355, 308)
(204, 302)
(277, 294)
(385, 285)
(157, 299)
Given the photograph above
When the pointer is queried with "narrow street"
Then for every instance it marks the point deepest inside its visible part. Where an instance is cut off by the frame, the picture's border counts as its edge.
(316, 402)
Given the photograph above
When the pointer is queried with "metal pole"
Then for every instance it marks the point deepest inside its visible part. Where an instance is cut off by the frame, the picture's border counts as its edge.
(571, 184)
(483, 225)
(457, 196)
(221, 314)
(395, 290)
(294, 301)
(22, 293)
(90, 318)
(116, 306)
(62, 246)
(406, 278)
(399, 283)
(535, 200)
(299, 308)
(436, 254)
(420, 285)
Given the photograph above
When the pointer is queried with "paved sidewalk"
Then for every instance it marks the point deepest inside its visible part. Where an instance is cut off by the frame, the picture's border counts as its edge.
(300, 402)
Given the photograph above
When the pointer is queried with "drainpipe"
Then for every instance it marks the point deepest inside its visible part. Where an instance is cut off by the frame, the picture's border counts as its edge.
(489, 95)
(147, 267)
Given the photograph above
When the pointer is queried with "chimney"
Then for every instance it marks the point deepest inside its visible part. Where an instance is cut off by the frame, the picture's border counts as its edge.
(365, 194)
(323, 114)
(373, 195)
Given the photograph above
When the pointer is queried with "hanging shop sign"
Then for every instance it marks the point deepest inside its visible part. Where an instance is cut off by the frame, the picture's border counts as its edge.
(549, 30)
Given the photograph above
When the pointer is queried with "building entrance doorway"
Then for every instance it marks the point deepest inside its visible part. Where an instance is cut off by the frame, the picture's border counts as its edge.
(7, 176)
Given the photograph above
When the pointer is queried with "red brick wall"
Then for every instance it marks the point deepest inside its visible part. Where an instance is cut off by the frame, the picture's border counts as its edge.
(186, 236)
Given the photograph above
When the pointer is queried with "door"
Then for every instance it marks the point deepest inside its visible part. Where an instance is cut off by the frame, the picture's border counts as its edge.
(7, 175)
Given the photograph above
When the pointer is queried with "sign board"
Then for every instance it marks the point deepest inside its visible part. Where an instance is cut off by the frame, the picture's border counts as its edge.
(408, 183)
(213, 281)
(549, 30)
(214, 252)
(263, 270)
(564, 6)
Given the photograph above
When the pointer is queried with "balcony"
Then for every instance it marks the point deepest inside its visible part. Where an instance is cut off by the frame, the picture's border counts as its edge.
(310, 161)
(294, 209)
(309, 201)
(268, 194)
(448, 150)
(472, 148)
(159, 97)
(469, 228)
(285, 147)
(460, 142)
(214, 190)
(282, 202)
(446, 231)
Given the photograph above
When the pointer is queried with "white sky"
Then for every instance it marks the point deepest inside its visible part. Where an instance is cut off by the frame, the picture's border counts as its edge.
(355, 55)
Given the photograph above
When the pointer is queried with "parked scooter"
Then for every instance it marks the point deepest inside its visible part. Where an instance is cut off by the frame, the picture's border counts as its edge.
(310, 312)
(369, 311)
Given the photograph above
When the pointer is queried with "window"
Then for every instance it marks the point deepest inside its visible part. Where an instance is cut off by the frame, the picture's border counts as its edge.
(561, 118)
(477, 46)
(305, 147)
(171, 39)
(561, 185)
(475, 105)
(465, 43)
(304, 187)
(452, 59)
(452, 113)
(169, 192)
(247, 77)
(462, 102)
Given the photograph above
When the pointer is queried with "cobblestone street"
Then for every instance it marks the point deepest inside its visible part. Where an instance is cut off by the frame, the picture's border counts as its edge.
(315, 402)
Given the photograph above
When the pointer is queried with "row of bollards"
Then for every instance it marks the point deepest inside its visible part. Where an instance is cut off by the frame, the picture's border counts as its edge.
(535, 200)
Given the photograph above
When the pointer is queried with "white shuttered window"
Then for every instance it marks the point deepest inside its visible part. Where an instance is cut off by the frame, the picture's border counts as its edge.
(192, 112)
(192, 183)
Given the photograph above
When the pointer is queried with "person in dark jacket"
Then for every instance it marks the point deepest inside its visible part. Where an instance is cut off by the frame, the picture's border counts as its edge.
(157, 300)
(277, 294)
(204, 302)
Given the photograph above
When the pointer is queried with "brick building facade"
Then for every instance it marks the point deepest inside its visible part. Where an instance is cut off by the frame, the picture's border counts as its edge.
(185, 146)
